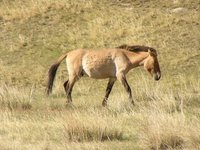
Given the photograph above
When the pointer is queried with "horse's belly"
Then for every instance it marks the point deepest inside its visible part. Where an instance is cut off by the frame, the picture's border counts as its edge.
(99, 68)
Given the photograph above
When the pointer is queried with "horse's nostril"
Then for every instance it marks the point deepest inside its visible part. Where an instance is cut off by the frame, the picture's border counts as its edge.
(158, 75)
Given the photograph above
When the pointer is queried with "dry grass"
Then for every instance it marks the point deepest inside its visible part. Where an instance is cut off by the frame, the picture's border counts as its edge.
(157, 122)
(35, 32)
(25, 9)
(169, 131)
(12, 98)
(87, 129)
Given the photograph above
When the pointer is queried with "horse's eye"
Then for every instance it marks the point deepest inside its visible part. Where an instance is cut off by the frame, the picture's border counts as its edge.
(149, 69)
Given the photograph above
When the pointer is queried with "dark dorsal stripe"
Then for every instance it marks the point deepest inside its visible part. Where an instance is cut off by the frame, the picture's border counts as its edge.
(137, 48)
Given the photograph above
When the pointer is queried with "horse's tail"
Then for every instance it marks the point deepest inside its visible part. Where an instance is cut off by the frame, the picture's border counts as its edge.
(52, 73)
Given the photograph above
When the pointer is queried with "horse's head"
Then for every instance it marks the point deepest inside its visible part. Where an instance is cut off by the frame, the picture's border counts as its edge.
(151, 65)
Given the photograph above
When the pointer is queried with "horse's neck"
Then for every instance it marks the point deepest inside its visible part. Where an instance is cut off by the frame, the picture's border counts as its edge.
(137, 59)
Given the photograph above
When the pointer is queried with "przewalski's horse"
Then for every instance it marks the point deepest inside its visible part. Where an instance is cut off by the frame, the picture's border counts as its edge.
(113, 63)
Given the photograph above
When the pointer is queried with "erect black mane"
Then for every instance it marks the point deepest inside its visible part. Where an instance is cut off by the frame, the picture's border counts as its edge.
(137, 48)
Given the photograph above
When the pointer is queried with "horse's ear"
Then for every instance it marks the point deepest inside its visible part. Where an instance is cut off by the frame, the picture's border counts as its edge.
(150, 53)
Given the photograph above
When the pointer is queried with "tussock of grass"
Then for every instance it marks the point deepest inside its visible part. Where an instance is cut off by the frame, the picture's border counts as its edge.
(13, 98)
(90, 130)
(168, 131)
(163, 131)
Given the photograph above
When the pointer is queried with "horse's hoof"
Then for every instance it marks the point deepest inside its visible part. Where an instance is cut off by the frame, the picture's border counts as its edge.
(104, 104)
(133, 103)
(69, 103)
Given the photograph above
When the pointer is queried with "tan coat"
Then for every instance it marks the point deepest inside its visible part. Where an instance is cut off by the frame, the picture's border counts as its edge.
(105, 63)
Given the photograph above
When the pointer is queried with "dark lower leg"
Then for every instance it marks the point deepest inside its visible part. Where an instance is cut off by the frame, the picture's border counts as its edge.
(128, 89)
(68, 89)
(69, 96)
(108, 90)
(66, 86)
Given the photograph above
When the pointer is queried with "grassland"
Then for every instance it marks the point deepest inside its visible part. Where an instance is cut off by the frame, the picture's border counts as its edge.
(35, 33)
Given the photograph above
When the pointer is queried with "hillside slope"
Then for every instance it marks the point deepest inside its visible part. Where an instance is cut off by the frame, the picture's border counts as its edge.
(34, 34)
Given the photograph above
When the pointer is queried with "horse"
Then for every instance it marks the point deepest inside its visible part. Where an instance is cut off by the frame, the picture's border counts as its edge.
(111, 63)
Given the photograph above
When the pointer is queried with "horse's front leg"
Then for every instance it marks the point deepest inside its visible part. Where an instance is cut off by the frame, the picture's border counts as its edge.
(108, 90)
(123, 81)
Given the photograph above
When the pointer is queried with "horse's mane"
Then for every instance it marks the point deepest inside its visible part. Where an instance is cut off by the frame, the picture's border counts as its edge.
(137, 48)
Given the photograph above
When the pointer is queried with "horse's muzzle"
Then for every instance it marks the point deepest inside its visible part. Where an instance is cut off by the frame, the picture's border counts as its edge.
(157, 76)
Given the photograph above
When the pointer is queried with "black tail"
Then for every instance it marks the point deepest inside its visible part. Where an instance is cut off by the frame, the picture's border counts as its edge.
(52, 73)
(51, 76)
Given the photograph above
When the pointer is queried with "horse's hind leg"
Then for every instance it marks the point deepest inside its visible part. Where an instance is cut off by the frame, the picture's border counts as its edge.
(124, 82)
(108, 90)
(68, 85)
